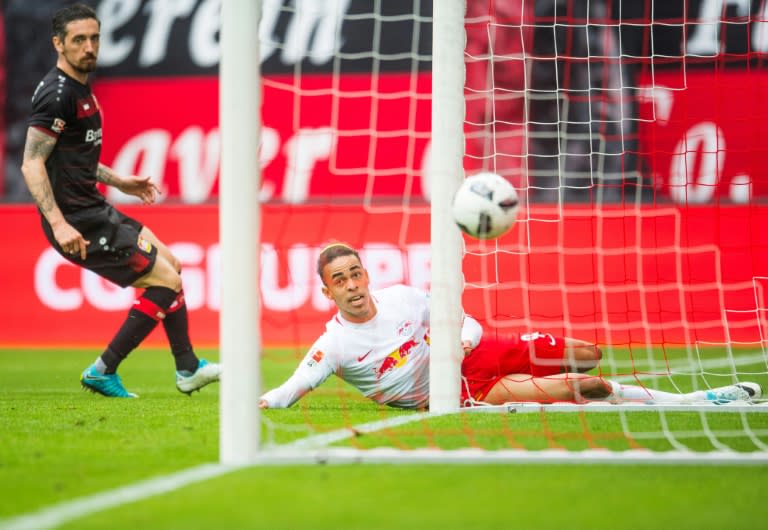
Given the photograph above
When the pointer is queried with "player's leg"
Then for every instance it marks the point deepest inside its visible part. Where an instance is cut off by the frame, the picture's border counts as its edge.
(549, 355)
(159, 281)
(165, 275)
(575, 387)
(744, 391)
(580, 356)
(531, 367)
(117, 254)
(162, 248)
(192, 373)
(130, 258)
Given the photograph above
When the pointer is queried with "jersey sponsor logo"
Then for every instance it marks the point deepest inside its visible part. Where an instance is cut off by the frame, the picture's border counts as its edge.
(397, 358)
(58, 125)
(315, 358)
(93, 136)
(530, 337)
(362, 357)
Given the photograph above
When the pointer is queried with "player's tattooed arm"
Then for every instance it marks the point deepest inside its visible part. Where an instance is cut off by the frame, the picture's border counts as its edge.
(105, 175)
(37, 149)
(141, 187)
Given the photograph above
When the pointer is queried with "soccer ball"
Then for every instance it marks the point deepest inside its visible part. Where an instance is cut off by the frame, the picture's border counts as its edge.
(485, 206)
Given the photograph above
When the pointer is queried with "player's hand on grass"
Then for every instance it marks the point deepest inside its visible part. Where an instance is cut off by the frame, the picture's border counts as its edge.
(70, 240)
(263, 404)
(141, 187)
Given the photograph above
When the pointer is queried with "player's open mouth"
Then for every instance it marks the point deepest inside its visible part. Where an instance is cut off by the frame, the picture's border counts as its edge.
(356, 299)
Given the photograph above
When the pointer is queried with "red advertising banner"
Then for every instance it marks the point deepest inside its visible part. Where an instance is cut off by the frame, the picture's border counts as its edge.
(322, 137)
(612, 276)
(702, 134)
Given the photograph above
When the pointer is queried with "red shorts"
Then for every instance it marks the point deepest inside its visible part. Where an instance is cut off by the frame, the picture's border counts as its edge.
(500, 354)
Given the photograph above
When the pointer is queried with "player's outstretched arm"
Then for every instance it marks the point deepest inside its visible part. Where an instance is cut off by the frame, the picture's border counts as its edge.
(141, 187)
(37, 149)
(286, 394)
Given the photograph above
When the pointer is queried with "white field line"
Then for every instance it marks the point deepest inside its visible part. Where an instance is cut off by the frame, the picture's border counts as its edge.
(66, 511)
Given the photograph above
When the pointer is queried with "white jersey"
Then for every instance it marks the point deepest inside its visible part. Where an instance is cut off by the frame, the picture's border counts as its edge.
(386, 358)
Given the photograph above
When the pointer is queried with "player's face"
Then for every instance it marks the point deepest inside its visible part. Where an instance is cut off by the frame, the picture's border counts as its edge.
(346, 283)
(79, 50)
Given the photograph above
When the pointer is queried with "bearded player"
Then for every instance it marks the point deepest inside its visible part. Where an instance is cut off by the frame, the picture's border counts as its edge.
(61, 168)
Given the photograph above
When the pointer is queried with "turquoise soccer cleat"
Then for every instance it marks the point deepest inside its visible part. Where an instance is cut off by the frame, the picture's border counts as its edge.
(108, 385)
(744, 391)
(206, 373)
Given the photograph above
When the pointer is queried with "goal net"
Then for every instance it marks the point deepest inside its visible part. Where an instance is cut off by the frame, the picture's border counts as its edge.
(632, 133)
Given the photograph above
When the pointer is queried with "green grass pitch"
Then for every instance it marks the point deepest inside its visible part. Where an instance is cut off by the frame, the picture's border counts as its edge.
(58, 443)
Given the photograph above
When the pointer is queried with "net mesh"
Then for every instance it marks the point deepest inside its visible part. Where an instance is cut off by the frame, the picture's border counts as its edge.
(631, 133)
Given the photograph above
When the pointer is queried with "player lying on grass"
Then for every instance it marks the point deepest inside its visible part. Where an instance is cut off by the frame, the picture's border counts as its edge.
(379, 343)
(61, 168)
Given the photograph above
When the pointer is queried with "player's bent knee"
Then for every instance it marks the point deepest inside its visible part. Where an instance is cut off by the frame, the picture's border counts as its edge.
(593, 388)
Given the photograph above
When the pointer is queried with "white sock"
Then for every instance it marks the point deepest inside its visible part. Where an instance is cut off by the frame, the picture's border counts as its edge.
(640, 393)
(100, 366)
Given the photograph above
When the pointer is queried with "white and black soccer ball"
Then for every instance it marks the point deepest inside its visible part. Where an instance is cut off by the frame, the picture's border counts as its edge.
(485, 206)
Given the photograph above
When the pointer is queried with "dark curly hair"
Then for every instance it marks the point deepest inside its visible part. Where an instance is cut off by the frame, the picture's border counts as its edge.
(65, 15)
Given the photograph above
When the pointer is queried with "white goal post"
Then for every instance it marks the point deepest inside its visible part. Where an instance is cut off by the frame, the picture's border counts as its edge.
(562, 269)
(240, 228)
(447, 173)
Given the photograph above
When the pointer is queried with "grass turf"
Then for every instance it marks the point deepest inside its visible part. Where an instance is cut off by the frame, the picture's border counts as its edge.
(59, 443)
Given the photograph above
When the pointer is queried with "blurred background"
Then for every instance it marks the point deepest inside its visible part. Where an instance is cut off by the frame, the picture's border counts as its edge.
(612, 88)
(599, 104)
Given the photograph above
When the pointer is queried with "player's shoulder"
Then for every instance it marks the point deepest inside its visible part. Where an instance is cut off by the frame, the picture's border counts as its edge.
(333, 328)
(56, 87)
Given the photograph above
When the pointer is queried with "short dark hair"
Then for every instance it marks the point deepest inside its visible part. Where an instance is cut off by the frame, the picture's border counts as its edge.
(65, 15)
(331, 252)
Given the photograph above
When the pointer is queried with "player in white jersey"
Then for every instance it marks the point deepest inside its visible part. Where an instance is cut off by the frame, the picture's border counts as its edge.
(379, 343)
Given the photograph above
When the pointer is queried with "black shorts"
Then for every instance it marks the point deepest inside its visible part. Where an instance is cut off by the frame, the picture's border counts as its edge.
(115, 252)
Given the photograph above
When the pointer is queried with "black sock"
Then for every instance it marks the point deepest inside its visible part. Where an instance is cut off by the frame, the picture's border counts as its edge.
(148, 309)
(176, 324)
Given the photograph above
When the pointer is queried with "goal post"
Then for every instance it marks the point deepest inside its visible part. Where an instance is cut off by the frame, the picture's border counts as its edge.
(447, 173)
(240, 230)
(642, 200)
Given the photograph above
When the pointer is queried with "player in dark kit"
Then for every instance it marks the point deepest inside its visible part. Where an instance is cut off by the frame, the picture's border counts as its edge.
(61, 168)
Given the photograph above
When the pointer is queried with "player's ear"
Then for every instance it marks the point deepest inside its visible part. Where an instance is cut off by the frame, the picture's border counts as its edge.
(57, 44)
(327, 292)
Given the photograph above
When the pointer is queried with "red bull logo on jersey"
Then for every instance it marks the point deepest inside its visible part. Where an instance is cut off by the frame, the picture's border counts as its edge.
(397, 358)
